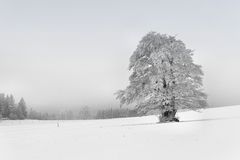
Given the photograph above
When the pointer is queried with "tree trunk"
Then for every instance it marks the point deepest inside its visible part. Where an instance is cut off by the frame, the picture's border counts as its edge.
(168, 116)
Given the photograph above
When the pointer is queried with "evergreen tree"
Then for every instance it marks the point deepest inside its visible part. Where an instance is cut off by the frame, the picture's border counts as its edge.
(22, 109)
(11, 101)
(2, 103)
(6, 107)
(13, 113)
(163, 78)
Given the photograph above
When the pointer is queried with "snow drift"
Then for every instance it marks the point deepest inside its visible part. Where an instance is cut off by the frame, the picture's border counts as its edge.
(208, 134)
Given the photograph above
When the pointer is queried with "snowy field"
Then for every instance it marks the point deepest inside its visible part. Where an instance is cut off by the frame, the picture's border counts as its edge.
(212, 134)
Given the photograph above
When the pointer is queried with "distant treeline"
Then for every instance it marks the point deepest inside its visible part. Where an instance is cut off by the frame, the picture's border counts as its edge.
(115, 113)
(84, 113)
(10, 110)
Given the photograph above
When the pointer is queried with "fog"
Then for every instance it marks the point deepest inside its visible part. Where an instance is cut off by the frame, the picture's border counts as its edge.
(74, 53)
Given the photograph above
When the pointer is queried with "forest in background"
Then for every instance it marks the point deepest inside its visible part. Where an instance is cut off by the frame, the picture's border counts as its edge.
(9, 109)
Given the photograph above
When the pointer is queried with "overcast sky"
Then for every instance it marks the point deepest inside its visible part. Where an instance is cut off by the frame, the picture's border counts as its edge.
(71, 53)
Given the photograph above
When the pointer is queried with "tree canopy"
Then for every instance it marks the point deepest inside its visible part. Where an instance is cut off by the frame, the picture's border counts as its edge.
(163, 76)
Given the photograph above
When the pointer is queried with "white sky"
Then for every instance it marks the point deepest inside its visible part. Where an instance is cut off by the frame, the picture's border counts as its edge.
(58, 53)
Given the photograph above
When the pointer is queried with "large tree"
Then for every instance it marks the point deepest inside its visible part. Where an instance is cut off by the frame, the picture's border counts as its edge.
(163, 77)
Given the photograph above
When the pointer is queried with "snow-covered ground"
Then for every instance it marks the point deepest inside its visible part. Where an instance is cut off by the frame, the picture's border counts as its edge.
(213, 134)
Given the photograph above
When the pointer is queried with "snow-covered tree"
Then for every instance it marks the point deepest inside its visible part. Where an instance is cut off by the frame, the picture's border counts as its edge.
(22, 109)
(163, 77)
(8, 104)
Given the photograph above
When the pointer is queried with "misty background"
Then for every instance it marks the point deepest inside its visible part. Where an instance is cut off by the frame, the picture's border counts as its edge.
(64, 54)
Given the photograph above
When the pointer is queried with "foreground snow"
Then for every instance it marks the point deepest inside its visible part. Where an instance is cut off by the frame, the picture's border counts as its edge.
(210, 134)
